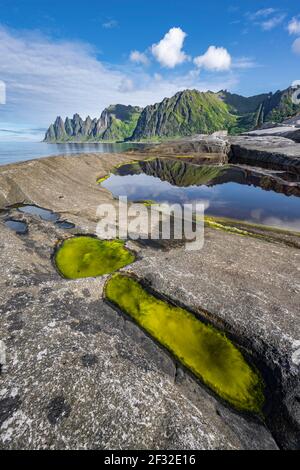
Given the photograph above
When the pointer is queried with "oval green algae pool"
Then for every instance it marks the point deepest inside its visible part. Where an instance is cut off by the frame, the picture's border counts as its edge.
(207, 352)
(83, 256)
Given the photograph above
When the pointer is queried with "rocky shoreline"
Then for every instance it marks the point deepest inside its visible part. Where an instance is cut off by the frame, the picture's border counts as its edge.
(81, 375)
(275, 152)
(265, 151)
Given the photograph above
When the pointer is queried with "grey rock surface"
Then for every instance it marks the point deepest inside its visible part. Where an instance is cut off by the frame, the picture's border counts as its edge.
(57, 182)
(278, 153)
(294, 121)
(289, 132)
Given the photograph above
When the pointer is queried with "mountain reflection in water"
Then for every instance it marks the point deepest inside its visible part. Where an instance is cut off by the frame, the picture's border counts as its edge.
(251, 195)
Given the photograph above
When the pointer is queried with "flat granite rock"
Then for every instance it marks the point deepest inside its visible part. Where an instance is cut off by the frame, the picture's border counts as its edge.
(289, 132)
(56, 182)
(269, 151)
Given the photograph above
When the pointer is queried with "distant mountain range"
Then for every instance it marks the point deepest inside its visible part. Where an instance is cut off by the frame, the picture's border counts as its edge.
(116, 123)
(186, 113)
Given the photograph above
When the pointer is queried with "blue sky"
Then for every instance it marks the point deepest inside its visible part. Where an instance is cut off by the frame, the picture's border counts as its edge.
(62, 57)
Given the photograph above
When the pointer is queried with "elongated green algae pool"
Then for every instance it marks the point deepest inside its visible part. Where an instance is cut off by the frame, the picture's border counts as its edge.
(81, 257)
(207, 352)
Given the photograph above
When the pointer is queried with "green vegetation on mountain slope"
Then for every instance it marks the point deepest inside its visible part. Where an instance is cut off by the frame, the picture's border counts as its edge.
(188, 112)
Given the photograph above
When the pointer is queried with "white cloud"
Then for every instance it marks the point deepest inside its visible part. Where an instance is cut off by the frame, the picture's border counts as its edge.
(267, 18)
(139, 57)
(271, 23)
(157, 77)
(243, 63)
(110, 24)
(294, 26)
(2, 92)
(264, 12)
(168, 52)
(126, 85)
(11, 132)
(194, 74)
(296, 46)
(215, 58)
(45, 78)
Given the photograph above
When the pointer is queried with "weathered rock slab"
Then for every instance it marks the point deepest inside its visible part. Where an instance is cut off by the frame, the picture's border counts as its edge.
(277, 153)
(289, 132)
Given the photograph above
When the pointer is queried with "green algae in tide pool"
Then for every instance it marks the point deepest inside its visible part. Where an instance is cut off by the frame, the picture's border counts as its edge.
(207, 352)
(81, 257)
(102, 179)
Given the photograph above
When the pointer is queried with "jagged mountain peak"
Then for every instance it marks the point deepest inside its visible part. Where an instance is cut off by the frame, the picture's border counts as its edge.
(117, 122)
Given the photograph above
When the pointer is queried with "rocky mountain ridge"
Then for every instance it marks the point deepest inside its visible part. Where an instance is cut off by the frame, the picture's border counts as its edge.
(116, 122)
(186, 113)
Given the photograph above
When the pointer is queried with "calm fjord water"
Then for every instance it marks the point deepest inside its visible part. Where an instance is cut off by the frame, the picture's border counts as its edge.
(13, 152)
(226, 199)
